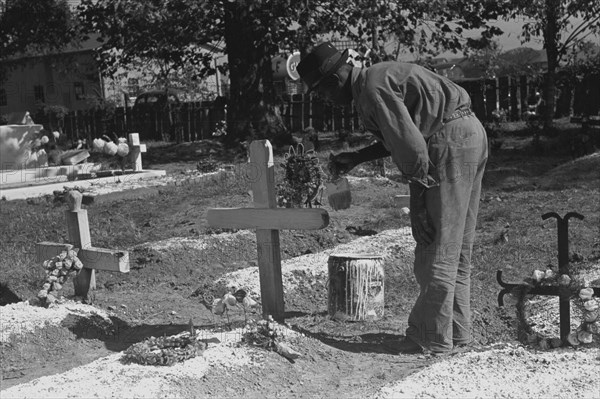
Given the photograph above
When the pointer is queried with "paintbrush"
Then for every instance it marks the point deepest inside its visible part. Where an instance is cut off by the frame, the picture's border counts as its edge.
(338, 190)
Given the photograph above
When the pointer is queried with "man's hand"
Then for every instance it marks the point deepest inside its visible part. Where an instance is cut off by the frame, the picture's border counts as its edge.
(422, 229)
(341, 163)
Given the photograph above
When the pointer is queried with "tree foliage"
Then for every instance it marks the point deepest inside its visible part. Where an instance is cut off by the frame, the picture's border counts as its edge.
(254, 31)
(553, 20)
(32, 27)
(423, 27)
(575, 22)
(164, 33)
(489, 60)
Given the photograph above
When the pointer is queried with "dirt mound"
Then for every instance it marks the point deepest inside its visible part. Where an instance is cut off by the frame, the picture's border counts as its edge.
(177, 260)
(505, 373)
(582, 172)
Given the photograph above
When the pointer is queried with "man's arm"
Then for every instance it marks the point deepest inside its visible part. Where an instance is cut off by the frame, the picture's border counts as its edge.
(403, 138)
(344, 162)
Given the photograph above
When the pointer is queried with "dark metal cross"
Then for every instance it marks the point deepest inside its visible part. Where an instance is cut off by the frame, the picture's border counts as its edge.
(563, 268)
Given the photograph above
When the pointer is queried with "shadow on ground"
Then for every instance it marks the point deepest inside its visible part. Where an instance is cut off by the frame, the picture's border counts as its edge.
(117, 335)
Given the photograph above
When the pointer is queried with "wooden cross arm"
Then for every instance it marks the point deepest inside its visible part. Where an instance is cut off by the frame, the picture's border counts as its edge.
(92, 258)
(134, 141)
(268, 218)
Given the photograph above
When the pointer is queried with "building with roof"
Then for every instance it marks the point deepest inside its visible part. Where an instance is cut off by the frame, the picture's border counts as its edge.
(69, 78)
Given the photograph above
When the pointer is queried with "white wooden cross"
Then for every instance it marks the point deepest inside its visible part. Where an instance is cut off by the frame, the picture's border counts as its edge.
(79, 237)
(135, 151)
(267, 220)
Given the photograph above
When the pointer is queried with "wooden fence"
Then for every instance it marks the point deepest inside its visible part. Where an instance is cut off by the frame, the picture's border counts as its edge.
(198, 120)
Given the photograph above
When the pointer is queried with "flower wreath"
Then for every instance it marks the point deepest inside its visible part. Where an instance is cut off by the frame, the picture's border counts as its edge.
(586, 300)
(302, 179)
(58, 270)
(165, 351)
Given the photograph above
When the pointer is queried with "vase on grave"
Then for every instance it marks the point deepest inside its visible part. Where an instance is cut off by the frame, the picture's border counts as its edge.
(356, 287)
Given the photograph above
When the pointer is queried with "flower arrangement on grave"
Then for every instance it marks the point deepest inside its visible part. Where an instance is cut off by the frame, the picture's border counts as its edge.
(220, 129)
(111, 148)
(575, 289)
(230, 300)
(112, 152)
(167, 350)
(207, 165)
(238, 298)
(58, 270)
(302, 179)
(268, 334)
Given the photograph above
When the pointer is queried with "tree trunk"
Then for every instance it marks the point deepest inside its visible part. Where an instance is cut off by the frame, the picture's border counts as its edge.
(252, 112)
(551, 45)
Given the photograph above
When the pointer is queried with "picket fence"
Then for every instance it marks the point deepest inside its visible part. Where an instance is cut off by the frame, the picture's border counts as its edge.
(193, 121)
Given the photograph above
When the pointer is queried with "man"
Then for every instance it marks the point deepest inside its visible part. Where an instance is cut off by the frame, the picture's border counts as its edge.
(425, 123)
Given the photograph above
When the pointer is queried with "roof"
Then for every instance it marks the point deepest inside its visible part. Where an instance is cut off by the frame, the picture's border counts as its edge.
(75, 47)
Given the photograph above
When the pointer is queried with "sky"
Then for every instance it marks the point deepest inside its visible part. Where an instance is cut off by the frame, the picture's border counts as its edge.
(512, 30)
(511, 37)
(509, 40)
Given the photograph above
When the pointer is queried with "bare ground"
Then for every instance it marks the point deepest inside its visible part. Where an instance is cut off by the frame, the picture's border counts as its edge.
(163, 290)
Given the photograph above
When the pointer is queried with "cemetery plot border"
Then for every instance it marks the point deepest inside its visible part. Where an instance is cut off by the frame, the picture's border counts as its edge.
(27, 183)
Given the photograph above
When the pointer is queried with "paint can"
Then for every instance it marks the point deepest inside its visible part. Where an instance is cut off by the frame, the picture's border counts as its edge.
(356, 287)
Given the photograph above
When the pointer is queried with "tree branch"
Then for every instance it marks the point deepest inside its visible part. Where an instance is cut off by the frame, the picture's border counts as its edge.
(573, 36)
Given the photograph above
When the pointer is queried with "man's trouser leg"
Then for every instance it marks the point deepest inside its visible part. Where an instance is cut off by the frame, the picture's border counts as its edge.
(442, 269)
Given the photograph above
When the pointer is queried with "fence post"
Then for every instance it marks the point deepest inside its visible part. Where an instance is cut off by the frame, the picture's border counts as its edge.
(302, 108)
(192, 121)
(317, 115)
(477, 99)
(307, 111)
(514, 99)
(523, 94)
(298, 106)
(311, 111)
(504, 93)
(205, 121)
(490, 97)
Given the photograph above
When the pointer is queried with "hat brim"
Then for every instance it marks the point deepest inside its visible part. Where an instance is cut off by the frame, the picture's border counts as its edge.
(332, 70)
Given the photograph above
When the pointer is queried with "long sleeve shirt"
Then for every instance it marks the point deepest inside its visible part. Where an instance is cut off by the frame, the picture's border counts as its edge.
(402, 105)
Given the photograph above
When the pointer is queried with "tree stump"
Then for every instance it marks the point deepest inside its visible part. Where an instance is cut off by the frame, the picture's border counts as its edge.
(356, 287)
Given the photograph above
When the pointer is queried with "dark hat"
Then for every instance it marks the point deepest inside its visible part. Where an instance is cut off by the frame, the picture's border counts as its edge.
(321, 62)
